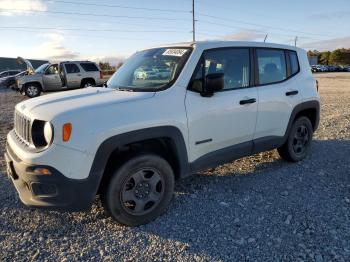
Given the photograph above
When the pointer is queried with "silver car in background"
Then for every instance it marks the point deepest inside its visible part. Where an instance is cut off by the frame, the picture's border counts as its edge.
(58, 77)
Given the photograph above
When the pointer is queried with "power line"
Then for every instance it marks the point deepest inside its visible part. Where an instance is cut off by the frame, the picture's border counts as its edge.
(254, 29)
(112, 23)
(120, 6)
(84, 35)
(93, 14)
(92, 30)
(259, 25)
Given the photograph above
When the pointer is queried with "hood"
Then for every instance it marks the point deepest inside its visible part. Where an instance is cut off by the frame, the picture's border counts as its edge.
(49, 106)
(21, 60)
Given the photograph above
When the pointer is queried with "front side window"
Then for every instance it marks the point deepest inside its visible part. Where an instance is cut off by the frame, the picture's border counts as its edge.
(72, 68)
(52, 70)
(233, 63)
(271, 65)
(150, 70)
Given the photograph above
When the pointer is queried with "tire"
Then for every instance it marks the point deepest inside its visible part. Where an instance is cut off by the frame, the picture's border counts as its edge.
(298, 142)
(32, 90)
(87, 83)
(139, 190)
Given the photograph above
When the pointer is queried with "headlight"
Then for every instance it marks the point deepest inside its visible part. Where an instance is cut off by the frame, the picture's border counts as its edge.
(48, 132)
(42, 133)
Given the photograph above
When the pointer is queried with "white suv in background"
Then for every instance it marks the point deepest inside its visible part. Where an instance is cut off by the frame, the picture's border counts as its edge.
(130, 141)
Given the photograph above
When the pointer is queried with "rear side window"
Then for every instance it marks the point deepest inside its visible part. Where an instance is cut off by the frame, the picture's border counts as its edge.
(72, 68)
(294, 64)
(271, 65)
(89, 67)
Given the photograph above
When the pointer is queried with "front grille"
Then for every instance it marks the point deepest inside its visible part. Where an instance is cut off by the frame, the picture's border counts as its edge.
(22, 127)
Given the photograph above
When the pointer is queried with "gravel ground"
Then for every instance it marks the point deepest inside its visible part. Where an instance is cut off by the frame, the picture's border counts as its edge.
(257, 208)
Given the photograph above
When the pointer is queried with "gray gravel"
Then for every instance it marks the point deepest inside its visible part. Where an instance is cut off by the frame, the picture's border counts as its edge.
(257, 208)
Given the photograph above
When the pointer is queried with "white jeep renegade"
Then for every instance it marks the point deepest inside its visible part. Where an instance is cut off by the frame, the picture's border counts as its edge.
(197, 105)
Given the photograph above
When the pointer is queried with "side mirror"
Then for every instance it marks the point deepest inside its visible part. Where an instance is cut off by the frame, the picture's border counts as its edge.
(213, 83)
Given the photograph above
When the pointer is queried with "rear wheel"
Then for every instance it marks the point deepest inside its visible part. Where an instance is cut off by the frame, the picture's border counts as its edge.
(140, 190)
(32, 90)
(299, 139)
(87, 83)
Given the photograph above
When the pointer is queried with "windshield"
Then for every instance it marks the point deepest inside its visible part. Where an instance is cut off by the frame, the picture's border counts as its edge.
(150, 70)
(41, 69)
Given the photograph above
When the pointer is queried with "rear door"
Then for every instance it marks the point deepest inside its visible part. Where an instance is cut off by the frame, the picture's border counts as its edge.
(72, 75)
(278, 90)
(223, 120)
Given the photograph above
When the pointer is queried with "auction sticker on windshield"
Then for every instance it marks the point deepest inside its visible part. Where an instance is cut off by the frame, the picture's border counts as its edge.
(175, 52)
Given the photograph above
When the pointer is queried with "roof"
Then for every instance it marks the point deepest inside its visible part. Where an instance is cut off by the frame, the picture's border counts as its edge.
(218, 44)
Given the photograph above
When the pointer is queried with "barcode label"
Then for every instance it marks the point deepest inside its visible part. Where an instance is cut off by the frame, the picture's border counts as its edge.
(175, 52)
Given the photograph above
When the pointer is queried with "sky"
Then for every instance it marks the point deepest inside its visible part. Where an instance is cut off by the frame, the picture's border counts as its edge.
(111, 30)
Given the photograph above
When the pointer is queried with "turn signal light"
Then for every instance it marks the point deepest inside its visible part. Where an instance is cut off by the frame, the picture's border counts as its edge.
(42, 171)
(66, 131)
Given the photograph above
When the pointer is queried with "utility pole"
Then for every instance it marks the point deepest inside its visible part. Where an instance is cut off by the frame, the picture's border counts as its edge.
(193, 23)
(295, 41)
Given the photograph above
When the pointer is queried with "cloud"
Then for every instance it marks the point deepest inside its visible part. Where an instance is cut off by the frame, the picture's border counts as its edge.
(17, 7)
(330, 15)
(53, 49)
(248, 35)
(331, 44)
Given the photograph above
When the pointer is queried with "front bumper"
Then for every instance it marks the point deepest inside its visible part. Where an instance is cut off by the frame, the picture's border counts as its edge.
(50, 191)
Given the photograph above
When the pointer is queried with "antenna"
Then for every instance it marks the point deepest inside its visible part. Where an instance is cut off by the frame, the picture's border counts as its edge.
(193, 23)
(265, 38)
(295, 41)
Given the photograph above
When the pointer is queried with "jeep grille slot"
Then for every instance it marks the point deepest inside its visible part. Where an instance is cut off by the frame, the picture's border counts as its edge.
(22, 127)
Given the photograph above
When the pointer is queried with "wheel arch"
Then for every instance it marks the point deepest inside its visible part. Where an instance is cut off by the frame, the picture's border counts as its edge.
(85, 79)
(310, 109)
(170, 135)
(33, 82)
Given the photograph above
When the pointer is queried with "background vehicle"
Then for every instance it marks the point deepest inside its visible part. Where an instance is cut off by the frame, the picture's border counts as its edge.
(130, 141)
(11, 80)
(58, 77)
(4, 75)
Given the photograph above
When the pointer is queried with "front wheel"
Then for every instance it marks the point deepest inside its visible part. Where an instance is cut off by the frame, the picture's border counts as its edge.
(298, 142)
(32, 90)
(140, 190)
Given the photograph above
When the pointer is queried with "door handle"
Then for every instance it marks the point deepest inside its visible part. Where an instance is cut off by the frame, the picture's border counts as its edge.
(247, 101)
(78, 74)
(292, 93)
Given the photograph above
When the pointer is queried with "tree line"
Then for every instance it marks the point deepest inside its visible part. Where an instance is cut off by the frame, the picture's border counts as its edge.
(336, 57)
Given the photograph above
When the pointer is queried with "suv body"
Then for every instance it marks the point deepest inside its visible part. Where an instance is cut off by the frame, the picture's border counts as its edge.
(58, 77)
(223, 100)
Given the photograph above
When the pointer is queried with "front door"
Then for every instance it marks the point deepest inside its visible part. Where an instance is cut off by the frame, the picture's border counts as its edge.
(227, 119)
(51, 78)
